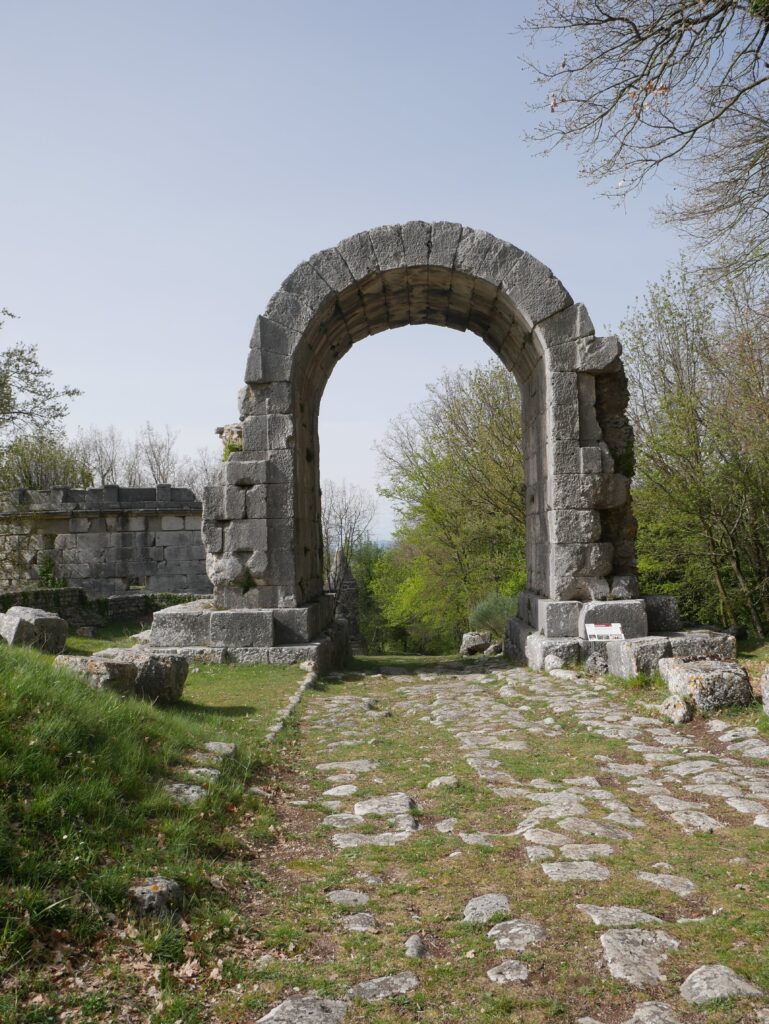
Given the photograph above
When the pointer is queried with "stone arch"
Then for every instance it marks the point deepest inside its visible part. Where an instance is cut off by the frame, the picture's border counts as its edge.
(262, 529)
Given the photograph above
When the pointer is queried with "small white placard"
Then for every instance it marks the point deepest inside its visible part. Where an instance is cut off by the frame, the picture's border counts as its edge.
(604, 631)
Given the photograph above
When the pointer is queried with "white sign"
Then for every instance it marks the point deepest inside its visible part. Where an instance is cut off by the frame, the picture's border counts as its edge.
(604, 631)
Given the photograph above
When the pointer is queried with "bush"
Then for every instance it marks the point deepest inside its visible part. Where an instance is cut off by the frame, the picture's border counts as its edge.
(492, 612)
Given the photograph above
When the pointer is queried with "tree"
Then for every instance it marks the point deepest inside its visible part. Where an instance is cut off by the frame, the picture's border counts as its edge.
(347, 512)
(29, 400)
(453, 467)
(635, 86)
(39, 461)
(698, 368)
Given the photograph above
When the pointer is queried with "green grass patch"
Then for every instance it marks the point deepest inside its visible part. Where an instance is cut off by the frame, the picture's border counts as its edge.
(82, 811)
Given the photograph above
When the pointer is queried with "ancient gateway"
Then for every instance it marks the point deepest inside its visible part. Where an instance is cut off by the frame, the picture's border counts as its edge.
(261, 528)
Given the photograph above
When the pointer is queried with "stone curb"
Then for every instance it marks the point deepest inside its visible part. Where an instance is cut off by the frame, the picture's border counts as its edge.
(281, 719)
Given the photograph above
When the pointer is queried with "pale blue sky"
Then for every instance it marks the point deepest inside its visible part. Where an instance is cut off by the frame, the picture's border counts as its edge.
(166, 164)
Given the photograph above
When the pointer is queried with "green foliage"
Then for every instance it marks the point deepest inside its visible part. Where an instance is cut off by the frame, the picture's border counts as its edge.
(232, 444)
(41, 460)
(46, 574)
(454, 470)
(492, 612)
(698, 369)
(29, 401)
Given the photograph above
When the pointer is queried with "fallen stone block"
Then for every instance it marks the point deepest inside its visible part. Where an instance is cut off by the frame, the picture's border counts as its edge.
(474, 643)
(703, 644)
(155, 895)
(639, 656)
(677, 710)
(132, 671)
(34, 627)
(709, 684)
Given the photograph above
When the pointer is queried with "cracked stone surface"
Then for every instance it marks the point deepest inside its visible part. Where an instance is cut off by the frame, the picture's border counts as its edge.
(307, 1010)
(617, 917)
(481, 908)
(363, 922)
(516, 935)
(507, 972)
(635, 955)
(575, 871)
(347, 898)
(714, 981)
(382, 988)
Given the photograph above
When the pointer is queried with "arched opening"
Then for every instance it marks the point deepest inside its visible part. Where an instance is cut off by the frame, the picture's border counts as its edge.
(262, 528)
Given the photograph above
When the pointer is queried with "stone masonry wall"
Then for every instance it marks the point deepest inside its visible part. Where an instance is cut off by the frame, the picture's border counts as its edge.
(107, 540)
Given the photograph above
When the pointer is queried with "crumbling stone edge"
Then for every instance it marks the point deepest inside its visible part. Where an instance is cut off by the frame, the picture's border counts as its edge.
(283, 716)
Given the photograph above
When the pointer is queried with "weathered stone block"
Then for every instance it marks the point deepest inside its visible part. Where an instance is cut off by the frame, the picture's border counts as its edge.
(539, 647)
(581, 559)
(557, 618)
(233, 502)
(592, 491)
(246, 535)
(640, 656)
(34, 627)
(710, 684)
(703, 644)
(241, 473)
(578, 588)
(296, 625)
(662, 613)
(631, 615)
(572, 526)
(182, 625)
(246, 628)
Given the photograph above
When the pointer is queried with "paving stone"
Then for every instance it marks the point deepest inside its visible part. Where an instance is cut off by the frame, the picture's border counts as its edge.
(634, 955)
(481, 908)
(341, 791)
(363, 922)
(156, 895)
(414, 946)
(347, 898)
(585, 827)
(538, 853)
(714, 981)
(507, 972)
(696, 821)
(395, 803)
(571, 871)
(516, 935)
(475, 838)
(382, 988)
(617, 917)
(447, 825)
(673, 883)
(449, 781)
(359, 766)
(586, 851)
(653, 1013)
(220, 749)
(344, 821)
(184, 792)
(545, 837)
(350, 840)
(307, 1010)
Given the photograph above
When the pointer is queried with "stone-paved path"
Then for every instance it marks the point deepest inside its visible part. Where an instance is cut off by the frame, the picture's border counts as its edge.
(504, 845)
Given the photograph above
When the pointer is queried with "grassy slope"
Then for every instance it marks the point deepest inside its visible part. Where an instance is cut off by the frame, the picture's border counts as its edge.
(82, 813)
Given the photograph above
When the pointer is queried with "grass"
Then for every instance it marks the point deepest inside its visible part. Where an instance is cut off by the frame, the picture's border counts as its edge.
(83, 814)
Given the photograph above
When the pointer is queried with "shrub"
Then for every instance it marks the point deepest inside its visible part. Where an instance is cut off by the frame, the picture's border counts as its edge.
(492, 612)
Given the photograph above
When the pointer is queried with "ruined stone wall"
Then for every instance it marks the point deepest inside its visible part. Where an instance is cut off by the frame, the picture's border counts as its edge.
(107, 540)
